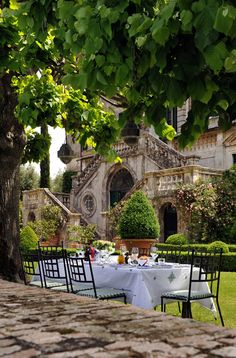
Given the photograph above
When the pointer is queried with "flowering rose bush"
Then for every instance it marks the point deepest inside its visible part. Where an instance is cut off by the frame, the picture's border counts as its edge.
(210, 207)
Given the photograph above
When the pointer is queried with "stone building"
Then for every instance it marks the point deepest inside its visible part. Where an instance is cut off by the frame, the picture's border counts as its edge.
(148, 164)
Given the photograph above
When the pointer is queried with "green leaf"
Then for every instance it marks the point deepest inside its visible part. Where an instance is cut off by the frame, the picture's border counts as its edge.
(224, 18)
(215, 56)
(81, 26)
(230, 62)
(161, 35)
(104, 11)
(140, 40)
(198, 6)
(66, 8)
(83, 12)
(100, 59)
(82, 81)
(107, 28)
(24, 98)
(167, 10)
(164, 130)
(121, 74)
(101, 78)
(186, 18)
(196, 88)
(174, 90)
(134, 21)
(93, 45)
(223, 104)
(211, 87)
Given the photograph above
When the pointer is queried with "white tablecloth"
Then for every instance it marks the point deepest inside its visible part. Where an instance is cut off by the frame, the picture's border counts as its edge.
(145, 285)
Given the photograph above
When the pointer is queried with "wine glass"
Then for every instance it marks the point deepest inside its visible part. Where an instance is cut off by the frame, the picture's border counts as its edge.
(123, 249)
(153, 253)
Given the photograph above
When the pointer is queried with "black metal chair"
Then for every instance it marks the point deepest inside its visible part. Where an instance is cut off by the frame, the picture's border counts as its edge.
(205, 267)
(54, 268)
(31, 268)
(83, 284)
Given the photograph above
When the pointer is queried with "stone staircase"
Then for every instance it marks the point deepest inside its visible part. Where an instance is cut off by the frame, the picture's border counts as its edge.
(163, 155)
(158, 151)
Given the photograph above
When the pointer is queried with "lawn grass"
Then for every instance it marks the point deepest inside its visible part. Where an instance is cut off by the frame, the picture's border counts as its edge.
(227, 299)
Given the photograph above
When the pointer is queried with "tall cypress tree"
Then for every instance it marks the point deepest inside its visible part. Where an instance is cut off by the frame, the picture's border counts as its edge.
(45, 163)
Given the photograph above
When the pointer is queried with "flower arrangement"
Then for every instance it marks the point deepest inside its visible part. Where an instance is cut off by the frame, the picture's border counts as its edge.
(103, 245)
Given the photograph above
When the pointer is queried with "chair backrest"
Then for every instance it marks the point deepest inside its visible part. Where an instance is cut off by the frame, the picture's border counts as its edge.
(206, 267)
(80, 271)
(54, 266)
(31, 266)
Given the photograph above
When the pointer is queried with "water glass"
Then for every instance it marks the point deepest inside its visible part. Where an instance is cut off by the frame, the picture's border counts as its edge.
(134, 254)
(123, 249)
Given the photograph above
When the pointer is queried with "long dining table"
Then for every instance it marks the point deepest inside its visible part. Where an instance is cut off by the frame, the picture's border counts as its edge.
(144, 285)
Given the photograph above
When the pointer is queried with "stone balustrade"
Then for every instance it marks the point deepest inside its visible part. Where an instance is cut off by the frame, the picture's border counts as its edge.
(167, 180)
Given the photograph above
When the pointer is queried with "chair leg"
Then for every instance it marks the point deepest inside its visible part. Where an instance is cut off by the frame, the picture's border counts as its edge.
(186, 310)
(221, 317)
(179, 307)
(163, 306)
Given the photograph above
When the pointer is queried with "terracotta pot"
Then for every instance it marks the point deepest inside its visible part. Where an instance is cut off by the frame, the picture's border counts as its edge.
(144, 245)
(74, 245)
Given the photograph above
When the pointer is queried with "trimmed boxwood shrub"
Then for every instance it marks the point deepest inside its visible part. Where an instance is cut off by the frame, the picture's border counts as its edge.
(138, 218)
(232, 248)
(28, 239)
(217, 245)
(229, 262)
(177, 239)
(198, 247)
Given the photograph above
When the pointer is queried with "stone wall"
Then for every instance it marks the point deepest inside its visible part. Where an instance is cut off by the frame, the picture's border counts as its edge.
(36, 322)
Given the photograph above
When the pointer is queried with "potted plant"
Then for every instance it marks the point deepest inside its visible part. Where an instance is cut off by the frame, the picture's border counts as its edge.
(81, 235)
(138, 223)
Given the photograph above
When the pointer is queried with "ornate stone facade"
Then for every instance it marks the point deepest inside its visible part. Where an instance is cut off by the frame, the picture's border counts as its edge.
(150, 165)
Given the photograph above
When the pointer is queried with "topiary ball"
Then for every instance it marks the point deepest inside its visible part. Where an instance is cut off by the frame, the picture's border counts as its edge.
(138, 218)
(28, 239)
(177, 239)
(217, 245)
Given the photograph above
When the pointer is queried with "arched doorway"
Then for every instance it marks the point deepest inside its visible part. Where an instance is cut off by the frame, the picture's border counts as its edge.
(121, 183)
(31, 216)
(170, 221)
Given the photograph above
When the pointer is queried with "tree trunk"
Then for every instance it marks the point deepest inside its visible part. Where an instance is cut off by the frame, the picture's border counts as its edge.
(12, 142)
(45, 164)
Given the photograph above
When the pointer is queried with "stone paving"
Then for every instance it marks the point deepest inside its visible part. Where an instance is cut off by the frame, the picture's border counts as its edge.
(36, 322)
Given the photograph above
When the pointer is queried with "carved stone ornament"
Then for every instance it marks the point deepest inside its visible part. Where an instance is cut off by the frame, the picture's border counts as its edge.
(88, 204)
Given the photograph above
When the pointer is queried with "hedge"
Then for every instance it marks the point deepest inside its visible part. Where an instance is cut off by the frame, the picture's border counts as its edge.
(199, 247)
(228, 260)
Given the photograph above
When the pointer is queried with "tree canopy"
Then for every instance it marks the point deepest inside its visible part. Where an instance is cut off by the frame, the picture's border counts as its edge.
(154, 55)
(144, 56)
